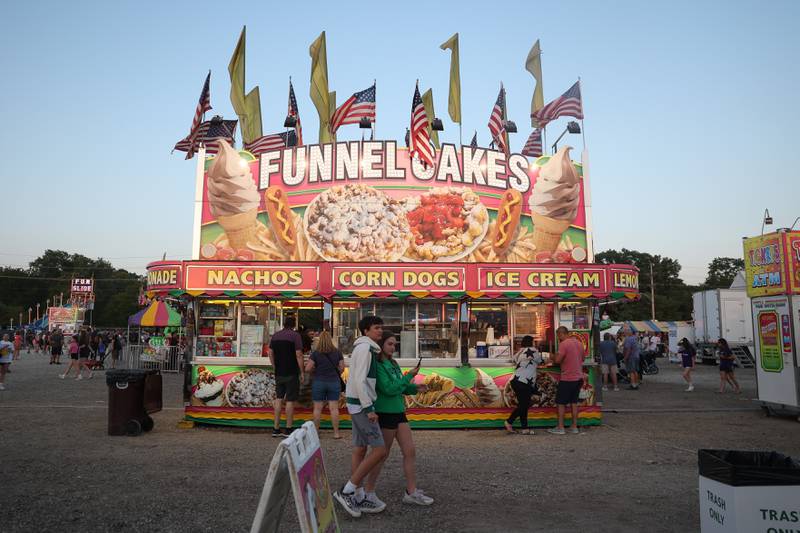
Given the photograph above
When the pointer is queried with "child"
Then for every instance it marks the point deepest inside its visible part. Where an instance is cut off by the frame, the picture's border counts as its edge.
(73, 358)
(726, 359)
(687, 353)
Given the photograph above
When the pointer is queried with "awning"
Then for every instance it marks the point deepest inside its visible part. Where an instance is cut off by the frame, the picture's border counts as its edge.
(645, 326)
(157, 314)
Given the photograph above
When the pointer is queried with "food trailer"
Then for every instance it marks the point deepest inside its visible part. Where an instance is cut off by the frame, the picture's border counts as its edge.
(461, 260)
(772, 270)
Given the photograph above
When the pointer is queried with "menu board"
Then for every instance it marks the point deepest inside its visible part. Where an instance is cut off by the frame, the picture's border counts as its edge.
(251, 341)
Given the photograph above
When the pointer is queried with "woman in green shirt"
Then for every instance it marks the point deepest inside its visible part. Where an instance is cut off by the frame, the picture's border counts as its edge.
(390, 406)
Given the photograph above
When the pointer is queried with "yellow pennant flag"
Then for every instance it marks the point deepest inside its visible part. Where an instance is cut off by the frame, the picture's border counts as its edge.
(332, 102)
(427, 101)
(248, 107)
(319, 86)
(533, 64)
(251, 128)
(454, 104)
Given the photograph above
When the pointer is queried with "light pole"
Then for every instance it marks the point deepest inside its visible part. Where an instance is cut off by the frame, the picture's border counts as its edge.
(572, 127)
(767, 220)
(37, 312)
(29, 315)
(12, 323)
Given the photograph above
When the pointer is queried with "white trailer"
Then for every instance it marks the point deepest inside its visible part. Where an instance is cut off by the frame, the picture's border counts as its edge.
(722, 313)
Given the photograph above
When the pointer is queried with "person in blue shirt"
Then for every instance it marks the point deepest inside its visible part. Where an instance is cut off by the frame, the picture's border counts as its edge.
(608, 360)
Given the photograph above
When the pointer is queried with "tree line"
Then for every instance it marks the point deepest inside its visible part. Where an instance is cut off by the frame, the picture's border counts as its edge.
(673, 297)
(116, 290)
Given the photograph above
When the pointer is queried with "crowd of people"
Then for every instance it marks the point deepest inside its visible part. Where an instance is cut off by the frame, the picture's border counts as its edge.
(87, 348)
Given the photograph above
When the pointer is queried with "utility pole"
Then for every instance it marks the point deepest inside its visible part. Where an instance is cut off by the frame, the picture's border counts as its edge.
(652, 293)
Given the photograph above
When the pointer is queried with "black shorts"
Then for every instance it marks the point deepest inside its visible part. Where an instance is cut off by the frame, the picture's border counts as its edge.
(287, 388)
(391, 420)
(568, 392)
(55, 350)
(84, 352)
(73, 356)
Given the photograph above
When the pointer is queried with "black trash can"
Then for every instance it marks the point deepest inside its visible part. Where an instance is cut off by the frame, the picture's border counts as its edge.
(745, 491)
(126, 408)
(153, 396)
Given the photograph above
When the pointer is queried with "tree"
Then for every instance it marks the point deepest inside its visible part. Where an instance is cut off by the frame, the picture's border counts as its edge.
(673, 297)
(116, 290)
(721, 272)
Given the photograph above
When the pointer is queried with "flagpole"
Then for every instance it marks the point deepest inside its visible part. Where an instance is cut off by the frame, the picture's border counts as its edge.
(583, 128)
(198, 200)
(375, 84)
(286, 142)
(460, 140)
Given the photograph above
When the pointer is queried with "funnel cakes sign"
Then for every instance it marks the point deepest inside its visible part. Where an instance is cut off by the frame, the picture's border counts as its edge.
(368, 202)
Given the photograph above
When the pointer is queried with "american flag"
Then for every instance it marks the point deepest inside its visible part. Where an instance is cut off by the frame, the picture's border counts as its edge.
(419, 140)
(268, 143)
(567, 105)
(496, 119)
(358, 106)
(293, 112)
(533, 146)
(474, 142)
(206, 133)
(202, 106)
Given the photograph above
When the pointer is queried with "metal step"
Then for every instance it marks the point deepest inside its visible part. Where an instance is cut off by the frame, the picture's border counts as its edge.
(743, 356)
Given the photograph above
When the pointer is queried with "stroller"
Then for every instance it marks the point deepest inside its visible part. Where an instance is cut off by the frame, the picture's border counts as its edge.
(97, 358)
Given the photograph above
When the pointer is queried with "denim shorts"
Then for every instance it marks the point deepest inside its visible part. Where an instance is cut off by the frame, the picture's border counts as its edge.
(325, 391)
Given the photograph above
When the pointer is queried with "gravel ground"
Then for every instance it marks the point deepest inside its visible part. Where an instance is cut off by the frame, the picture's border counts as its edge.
(60, 471)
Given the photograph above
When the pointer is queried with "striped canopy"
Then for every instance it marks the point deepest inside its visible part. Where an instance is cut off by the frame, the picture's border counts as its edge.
(647, 326)
(157, 314)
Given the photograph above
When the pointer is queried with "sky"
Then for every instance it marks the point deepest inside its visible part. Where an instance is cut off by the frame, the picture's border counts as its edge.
(689, 108)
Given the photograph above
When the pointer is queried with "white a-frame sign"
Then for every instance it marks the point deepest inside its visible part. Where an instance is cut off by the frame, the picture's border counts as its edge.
(298, 464)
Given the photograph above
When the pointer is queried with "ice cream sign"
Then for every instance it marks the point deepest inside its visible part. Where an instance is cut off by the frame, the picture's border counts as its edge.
(542, 279)
(369, 202)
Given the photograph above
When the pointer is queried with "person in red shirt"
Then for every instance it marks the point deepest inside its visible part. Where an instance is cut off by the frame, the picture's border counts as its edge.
(570, 357)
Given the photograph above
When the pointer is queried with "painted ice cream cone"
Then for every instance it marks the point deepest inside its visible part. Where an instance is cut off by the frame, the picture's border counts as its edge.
(547, 232)
(240, 228)
(554, 200)
(233, 196)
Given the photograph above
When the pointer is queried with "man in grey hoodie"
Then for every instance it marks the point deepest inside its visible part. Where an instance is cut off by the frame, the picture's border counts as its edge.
(360, 393)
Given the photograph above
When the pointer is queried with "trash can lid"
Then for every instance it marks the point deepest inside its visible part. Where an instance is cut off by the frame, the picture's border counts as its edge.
(124, 375)
(748, 468)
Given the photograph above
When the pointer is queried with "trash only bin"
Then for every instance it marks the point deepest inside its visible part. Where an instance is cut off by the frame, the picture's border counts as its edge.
(126, 410)
(153, 397)
(748, 491)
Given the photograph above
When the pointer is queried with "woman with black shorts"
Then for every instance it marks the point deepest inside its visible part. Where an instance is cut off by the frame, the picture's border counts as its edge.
(390, 405)
(726, 360)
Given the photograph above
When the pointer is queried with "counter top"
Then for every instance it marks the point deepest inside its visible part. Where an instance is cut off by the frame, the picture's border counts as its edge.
(430, 362)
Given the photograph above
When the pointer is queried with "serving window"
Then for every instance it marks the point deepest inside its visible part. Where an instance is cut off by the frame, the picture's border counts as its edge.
(424, 328)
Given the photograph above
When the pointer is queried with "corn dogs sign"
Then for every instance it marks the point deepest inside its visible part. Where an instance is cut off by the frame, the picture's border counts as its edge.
(369, 202)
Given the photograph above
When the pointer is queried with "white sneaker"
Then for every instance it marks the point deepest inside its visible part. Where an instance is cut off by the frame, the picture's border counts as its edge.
(80, 377)
(2, 386)
(417, 498)
(348, 501)
(62, 376)
(690, 388)
(616, 389)
(605, 388)
(371, 504)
